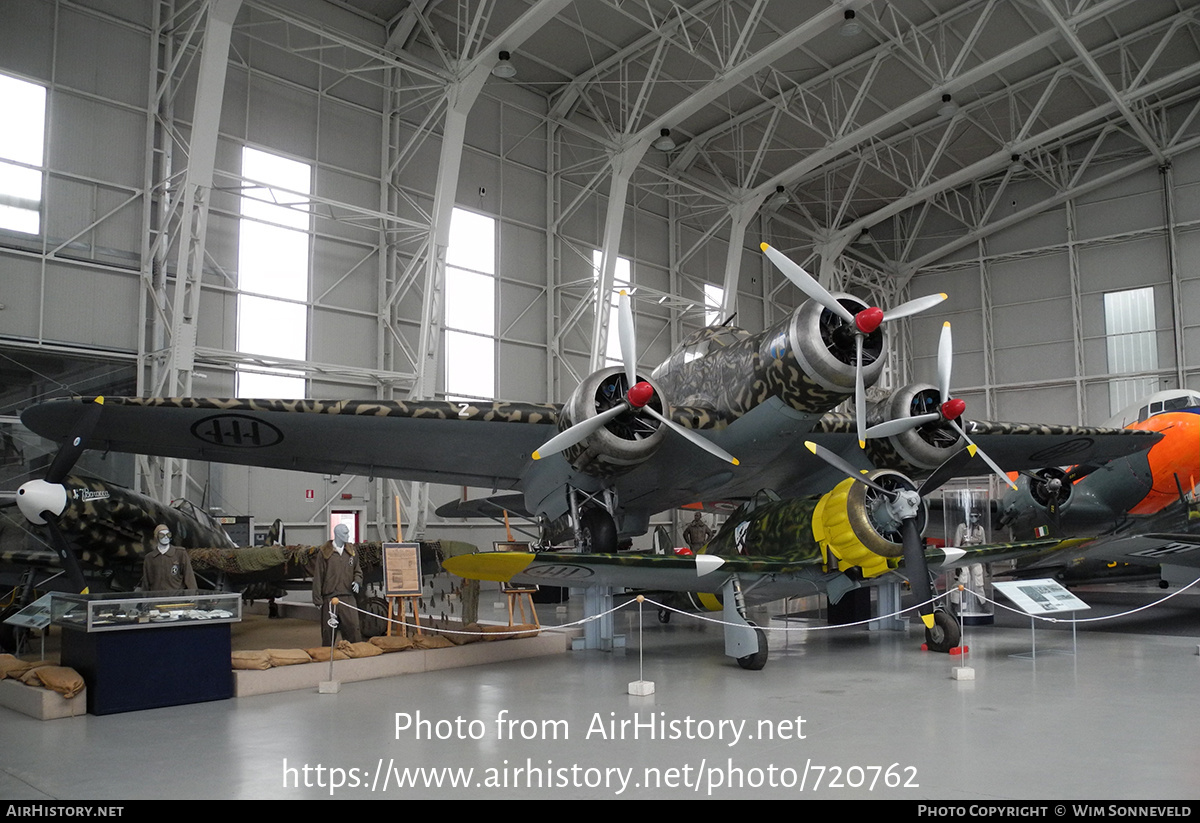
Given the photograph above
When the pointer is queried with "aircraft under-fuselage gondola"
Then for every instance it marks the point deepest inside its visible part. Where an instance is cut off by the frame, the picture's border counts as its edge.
(725, 415)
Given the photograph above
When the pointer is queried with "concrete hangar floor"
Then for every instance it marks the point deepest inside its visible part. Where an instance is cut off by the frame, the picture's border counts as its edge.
(846, 714)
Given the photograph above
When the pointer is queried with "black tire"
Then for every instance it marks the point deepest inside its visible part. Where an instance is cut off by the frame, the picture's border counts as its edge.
(374, 623)
(755, 662)
(598, 532)
(945, 634)
(664, 616)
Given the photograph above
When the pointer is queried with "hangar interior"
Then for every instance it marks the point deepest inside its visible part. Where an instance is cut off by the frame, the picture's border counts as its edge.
(403, 199)
(394, 199)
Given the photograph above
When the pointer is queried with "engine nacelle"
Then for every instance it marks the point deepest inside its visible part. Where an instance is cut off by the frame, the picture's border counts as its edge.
(918, 450)
(625, 441)
(822, 347)
(855, 524)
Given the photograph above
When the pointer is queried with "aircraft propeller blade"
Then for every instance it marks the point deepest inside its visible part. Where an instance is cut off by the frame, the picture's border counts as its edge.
(860, 393)
(845, 468)
(914, 306)
(947, 470)
(70, 451)
(703, 442)
(69, 560)
(999, 472)
(570, 436)
(806, 283)
(901, 425)
(627, 332)
(917, 568)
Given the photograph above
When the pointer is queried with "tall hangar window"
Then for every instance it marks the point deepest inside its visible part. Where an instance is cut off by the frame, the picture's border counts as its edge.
(22, 150)
(621, 280)
(1132, 347)
(714, 296)
(471, 307)
(272, 304)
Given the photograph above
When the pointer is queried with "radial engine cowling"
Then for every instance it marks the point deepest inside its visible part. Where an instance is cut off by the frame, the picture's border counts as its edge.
(855, 524)
(824, 346)
(918, 450)
(625, 441)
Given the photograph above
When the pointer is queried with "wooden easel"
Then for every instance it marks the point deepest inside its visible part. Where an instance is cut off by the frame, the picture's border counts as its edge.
(518, 598)
(398, 606)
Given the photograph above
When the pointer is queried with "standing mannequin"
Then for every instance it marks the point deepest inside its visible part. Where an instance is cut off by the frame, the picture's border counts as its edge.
(697, 534)
(336, 572)
(167, 567)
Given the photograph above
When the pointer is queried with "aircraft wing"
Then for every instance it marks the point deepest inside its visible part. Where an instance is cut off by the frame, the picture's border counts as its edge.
(699, 573)
(483, 444)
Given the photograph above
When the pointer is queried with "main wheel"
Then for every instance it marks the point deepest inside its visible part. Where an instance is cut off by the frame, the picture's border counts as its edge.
(945, 634)
(598, 532)
(755, 662)
(664, 616)
(374, 623)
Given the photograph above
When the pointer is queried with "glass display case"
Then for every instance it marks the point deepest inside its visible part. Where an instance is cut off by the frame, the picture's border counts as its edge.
(115, 611)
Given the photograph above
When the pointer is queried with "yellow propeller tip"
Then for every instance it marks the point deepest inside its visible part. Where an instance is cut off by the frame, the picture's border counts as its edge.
(971, 449)
(946, 325)
(811, 446)
(735, 461)
(944, 296)
(99, 400)
(623, 292)
(862, 444)
(764, 246)
(537, 455)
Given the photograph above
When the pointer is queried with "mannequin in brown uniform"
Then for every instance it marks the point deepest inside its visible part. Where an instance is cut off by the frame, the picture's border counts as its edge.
(336, 572)
(166, 567)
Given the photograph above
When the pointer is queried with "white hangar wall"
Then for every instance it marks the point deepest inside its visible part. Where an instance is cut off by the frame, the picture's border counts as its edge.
(1037, 290)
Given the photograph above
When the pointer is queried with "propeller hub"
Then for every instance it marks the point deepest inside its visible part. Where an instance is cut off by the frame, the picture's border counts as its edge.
(868, 320)
(639, 395)
(953, 408)
(38, 497)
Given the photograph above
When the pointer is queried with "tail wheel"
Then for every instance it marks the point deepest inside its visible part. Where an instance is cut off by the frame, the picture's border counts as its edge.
(755, 662)
(945, 634)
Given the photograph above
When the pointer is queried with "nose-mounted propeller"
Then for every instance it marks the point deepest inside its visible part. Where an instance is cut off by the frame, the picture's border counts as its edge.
(862, 324)
(950, 410)
(904, 505)
(637, 400)
(41, 501)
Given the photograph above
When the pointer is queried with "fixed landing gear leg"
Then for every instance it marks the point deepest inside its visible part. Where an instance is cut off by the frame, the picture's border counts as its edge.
(744, 641)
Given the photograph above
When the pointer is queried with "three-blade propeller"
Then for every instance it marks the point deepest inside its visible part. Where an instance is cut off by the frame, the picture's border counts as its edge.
(949, 411)
(636, 400)
(862, 324)
(904, 506)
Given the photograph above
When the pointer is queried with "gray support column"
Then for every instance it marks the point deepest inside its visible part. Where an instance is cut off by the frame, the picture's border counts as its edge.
(740, 216)
(197, 186)
(623, 166)
(1168, 184)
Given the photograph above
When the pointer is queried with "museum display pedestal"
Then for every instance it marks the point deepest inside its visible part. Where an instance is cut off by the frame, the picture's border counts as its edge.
(163, 666)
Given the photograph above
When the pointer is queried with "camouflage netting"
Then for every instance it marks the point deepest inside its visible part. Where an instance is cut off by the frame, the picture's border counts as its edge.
(261, 558)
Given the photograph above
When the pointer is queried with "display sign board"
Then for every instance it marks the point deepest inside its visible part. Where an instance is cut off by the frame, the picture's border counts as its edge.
(1043, 596)
(34, 616)
(401, 569)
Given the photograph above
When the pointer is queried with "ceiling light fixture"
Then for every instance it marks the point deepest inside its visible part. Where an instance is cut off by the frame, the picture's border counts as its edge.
(850, 27)
(948, 108)
(664, 141)
(864, 238)
(779, 199)
(503, 67)
(1016, 165)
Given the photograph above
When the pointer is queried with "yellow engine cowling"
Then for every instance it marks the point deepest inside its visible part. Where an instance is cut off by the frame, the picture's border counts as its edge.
(853, 524)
